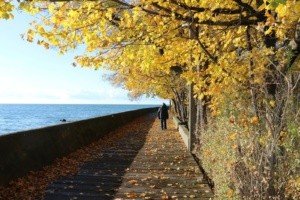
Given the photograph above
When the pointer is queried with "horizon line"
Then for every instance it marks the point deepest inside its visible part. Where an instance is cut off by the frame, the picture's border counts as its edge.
(79, 103)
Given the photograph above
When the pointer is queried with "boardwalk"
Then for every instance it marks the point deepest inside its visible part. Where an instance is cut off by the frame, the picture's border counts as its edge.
(145, 164)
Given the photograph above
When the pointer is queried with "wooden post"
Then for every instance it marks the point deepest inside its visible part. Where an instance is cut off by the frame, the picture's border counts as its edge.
(192, 118)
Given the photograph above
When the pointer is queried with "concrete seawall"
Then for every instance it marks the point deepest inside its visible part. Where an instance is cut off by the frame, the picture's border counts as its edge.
(24, 151)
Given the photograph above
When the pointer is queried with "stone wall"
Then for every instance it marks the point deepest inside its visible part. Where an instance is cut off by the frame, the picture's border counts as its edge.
(184, 132)
(29, 150)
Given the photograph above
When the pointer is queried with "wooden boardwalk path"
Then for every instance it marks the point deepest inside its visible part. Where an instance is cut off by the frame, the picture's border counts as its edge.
(146, 164)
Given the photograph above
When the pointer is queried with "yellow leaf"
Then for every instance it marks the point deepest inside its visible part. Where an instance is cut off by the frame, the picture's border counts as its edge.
(272, 103)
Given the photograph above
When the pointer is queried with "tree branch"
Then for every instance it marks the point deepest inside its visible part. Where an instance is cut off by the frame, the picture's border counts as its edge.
(200, 9)
(242, 22)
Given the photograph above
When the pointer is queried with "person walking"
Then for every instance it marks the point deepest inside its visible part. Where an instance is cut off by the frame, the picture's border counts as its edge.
(163, 115)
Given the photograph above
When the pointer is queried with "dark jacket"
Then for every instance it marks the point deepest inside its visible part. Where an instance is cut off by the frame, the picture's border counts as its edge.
(163, 112)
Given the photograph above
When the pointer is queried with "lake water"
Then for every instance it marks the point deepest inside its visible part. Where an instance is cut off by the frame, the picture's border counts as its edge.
(19, 117)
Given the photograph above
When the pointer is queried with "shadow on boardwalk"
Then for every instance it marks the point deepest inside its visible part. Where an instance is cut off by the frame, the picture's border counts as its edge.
(146, 163)
(101, 178)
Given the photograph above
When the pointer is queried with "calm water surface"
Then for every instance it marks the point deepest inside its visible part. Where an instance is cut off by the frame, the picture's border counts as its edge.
(18, 117)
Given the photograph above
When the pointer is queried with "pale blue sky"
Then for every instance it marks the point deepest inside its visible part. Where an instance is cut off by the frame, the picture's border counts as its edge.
(32, 74)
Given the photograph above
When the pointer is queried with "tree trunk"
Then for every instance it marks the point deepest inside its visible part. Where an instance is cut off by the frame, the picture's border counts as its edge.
(253, 91)
(175, 108)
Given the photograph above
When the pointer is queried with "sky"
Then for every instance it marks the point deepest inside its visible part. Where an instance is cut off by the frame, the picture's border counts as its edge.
(31, 74)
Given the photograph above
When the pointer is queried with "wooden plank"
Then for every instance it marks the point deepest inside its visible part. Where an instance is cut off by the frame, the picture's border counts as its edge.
(147, 164)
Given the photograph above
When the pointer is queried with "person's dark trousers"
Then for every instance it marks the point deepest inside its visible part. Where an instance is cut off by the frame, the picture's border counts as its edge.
(163, 124)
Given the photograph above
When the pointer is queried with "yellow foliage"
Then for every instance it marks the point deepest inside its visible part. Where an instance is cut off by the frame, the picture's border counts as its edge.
(150, 37)
(254, 120)
(155, 47)
(6, 9)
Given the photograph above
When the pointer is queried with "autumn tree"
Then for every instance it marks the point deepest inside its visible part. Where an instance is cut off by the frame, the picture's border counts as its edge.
(240, 55)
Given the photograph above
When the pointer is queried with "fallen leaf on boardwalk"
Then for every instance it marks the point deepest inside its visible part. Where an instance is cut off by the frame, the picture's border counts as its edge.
(133, 182)
(143, 195)
(165, 197)
(131, 195)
